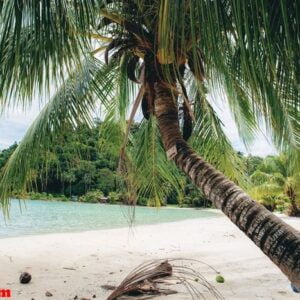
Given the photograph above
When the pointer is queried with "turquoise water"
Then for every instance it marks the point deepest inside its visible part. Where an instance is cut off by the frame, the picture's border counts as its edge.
(39, 217)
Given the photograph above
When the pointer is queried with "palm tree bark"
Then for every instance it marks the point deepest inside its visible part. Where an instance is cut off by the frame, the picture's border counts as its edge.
(279, 241)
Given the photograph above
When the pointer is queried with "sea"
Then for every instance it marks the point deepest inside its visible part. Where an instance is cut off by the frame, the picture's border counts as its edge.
(31, 217)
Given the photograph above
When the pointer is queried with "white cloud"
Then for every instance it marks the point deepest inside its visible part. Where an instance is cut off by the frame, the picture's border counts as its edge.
(14, 123)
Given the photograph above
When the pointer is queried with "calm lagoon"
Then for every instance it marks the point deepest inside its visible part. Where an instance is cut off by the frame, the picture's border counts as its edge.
(37, 217)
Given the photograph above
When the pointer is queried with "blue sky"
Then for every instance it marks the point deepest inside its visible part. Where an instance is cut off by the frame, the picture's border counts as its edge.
(14, 124)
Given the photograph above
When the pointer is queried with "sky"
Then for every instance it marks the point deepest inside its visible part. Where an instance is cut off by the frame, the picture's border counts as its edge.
(13, 126)
(260, 146)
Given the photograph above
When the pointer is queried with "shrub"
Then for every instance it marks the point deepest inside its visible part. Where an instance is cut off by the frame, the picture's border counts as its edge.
(186, 202)
(35, 196)
(268, 201)
(113, 197)
(194, 201)
(143, 201)
(92, 197)
(126, 198)
(62, 198)
(282, 203)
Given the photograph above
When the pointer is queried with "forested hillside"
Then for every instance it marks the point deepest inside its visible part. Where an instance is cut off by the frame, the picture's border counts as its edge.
(82, 166)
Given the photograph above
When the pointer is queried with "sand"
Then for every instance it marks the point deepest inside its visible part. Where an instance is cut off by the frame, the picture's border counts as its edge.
(77, 264)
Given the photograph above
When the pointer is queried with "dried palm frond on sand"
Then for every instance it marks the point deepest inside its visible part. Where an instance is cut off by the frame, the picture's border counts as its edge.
(153, 278)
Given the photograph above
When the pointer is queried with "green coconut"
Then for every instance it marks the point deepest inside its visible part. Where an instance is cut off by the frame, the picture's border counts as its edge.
(220, 279)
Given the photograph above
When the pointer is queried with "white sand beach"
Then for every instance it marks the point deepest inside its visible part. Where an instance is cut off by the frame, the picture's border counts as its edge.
(77, 264)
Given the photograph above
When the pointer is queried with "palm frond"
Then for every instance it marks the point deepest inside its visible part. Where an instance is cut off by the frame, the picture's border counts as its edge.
(250, 48)
(145, 280)
(210, 141)
(72, 105)
(265, 190)
(155, 175)
(40, 42)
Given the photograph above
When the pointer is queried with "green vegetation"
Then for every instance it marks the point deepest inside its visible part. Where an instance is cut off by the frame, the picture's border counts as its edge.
(43, 196)
(83, 167)
(78, 168)
(92, 197)
(276, 185)
(6, 153)
(164, 57)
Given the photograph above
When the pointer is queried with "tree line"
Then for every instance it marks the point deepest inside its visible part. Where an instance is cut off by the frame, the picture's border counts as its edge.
(80, 168)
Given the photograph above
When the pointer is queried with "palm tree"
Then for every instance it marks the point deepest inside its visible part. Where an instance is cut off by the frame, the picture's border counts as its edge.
(175, 51)
(273, 179)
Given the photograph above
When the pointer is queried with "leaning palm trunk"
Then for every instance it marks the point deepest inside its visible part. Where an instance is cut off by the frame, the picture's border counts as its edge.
(279, 241)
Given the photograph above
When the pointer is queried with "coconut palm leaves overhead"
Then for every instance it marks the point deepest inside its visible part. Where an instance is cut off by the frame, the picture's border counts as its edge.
(251, 48)
(39, 42)
(232, 44)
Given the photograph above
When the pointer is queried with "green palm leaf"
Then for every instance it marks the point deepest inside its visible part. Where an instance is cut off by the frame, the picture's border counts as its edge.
(250, 48)
(210, 141)
(40, 41)
(155, 176)
(72, 105)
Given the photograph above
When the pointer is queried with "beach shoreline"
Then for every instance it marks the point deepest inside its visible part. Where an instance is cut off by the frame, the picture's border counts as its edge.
(78, 263)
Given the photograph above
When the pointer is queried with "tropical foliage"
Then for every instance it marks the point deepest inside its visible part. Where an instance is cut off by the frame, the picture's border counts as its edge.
(42, 56)
(77, 167)
(85, 166)
(163, 56)
(276, 186)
